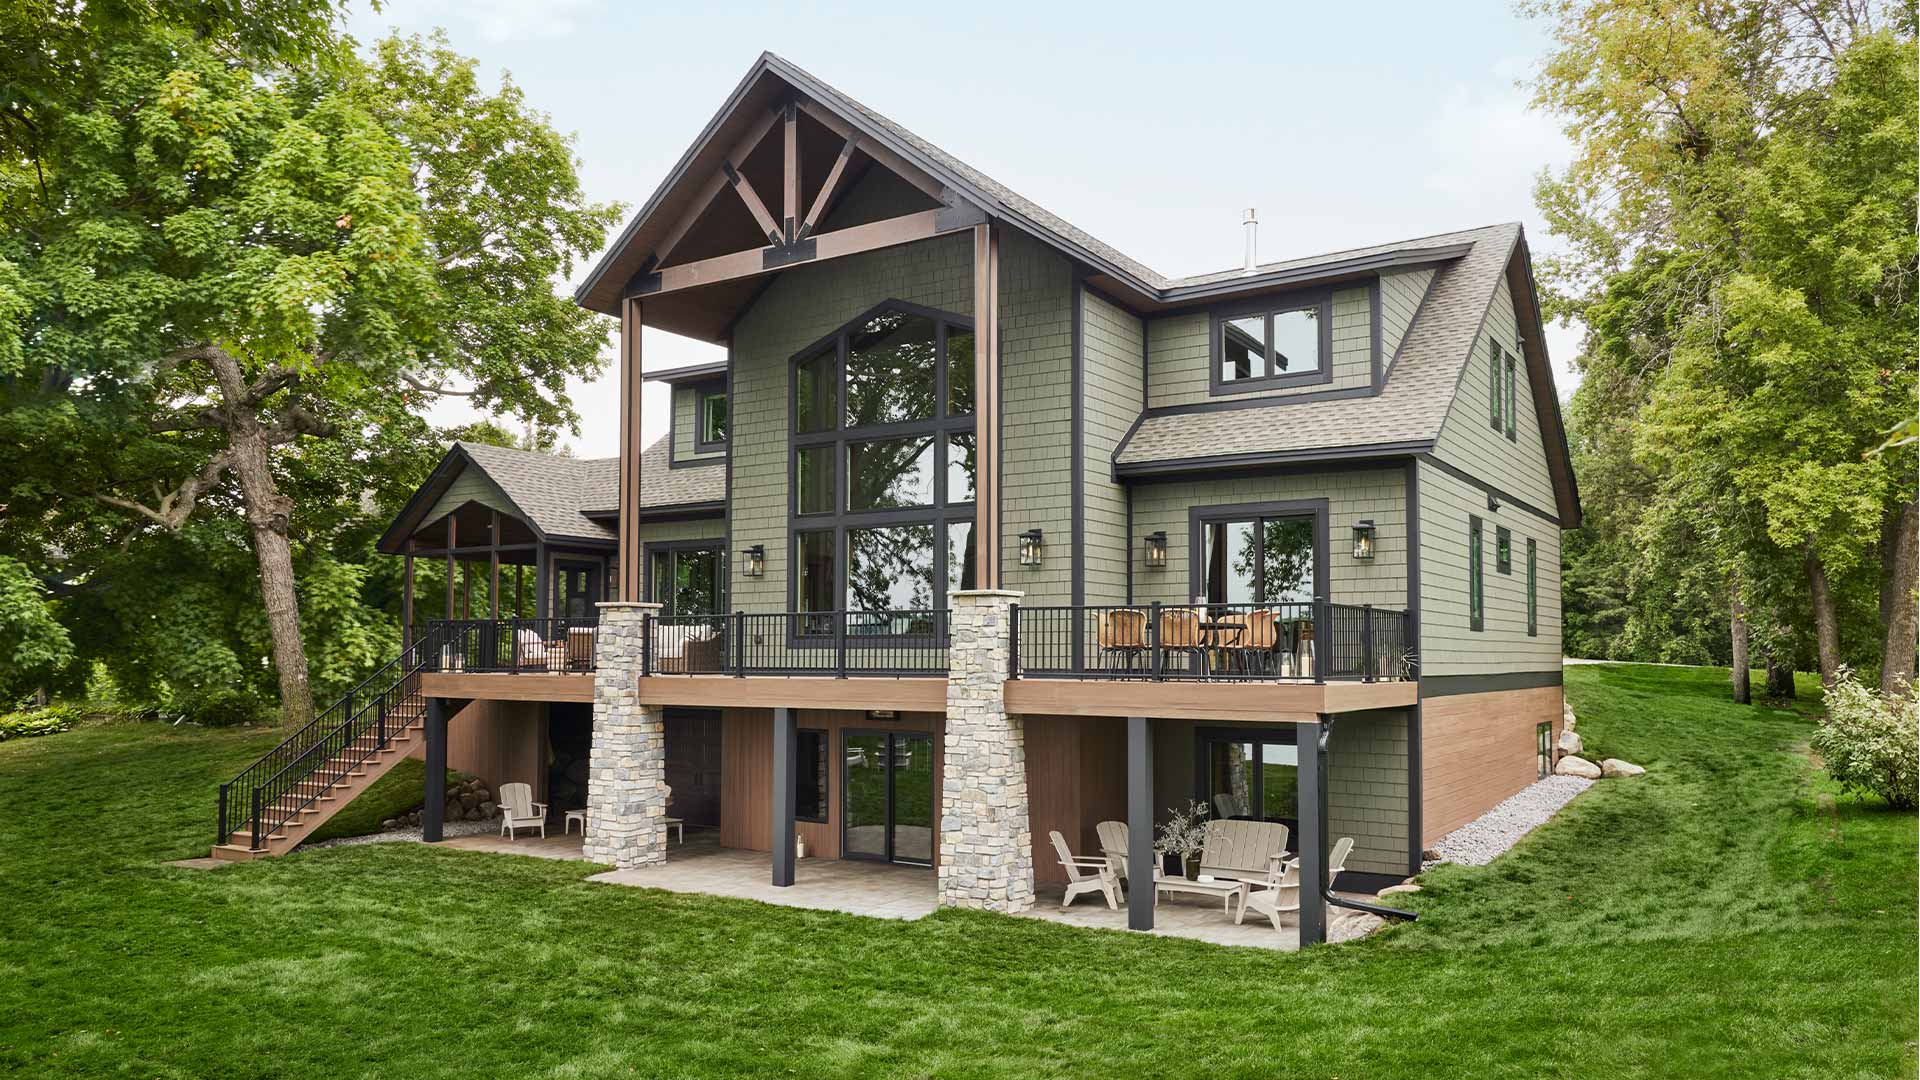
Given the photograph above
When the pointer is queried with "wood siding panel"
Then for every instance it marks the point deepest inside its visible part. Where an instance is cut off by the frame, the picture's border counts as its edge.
(746, 774)
(1467, 439)
(1110, 382)
(1478, 749)
(501, 742)
(1448, 644)
(1179, 355)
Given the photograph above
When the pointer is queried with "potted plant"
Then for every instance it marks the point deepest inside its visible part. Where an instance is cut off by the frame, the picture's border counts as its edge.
(1183, 835)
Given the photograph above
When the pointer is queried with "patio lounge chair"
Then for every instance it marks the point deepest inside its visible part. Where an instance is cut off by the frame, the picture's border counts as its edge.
(1282, 894)
(1113, 845)
(519, 811)
(1085, 875)
(1244, 850)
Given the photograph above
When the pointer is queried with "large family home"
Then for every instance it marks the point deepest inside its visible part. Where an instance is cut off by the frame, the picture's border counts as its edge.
(984, 531)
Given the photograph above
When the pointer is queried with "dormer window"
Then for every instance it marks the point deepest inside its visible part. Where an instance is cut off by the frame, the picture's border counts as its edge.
(711, 413)
(1281, 342)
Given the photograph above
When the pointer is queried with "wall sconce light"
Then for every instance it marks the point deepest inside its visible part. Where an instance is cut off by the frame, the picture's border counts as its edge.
(753, 560)
(1363, 535)
(1156, 550)
(1030, 547)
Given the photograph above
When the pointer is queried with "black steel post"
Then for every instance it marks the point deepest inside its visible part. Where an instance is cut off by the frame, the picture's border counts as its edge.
(1322, 638)
(226, 834)
(433, 813)
(785, 747)
(1366, 641)
(646, 645)
(254, 841)
(1141, 860)
(1311, 755)
(1153, 639)
(739, 644)
(1013, 641)
(840, 644)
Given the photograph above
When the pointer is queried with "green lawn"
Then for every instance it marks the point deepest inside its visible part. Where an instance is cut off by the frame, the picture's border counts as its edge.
(1727, 915)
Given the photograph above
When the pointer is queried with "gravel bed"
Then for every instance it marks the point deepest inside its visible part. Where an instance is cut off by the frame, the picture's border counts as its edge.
(1483, 839)
(391, 836)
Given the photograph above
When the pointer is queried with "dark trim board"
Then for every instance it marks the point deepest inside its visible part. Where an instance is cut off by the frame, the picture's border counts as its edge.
(1077, 481)
(1505, 498)
(1280, 461)
(1433, 686)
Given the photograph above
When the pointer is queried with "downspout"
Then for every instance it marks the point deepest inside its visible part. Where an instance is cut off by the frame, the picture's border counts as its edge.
(1326, 886)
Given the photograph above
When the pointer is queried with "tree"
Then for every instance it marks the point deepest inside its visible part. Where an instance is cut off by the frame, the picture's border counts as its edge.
(229, 259)
(1768, 150)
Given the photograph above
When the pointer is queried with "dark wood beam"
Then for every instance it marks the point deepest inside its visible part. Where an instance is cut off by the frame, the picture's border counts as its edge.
(986, 405)
(912, 174)
(774, 234)
(790, 174)
(631, 325)
(831, 185)
(872, 236)
(713, 186)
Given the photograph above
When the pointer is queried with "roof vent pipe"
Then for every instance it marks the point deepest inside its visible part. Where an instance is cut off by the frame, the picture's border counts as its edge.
(1252, 223)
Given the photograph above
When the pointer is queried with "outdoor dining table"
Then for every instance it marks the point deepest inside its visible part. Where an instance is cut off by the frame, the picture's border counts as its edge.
(1219, 652)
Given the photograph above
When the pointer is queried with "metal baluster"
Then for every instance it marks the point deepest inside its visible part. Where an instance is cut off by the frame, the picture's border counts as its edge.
(1366, 642)
(1153, 639)
(840, 644)
(740, 644)
(1013, 641)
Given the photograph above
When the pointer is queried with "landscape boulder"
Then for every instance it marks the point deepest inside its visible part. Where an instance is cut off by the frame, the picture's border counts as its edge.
(1397, 890)
(1577, 766)
(1352, 926)
(1566, 717)
(1570, 742)
(1613, 766)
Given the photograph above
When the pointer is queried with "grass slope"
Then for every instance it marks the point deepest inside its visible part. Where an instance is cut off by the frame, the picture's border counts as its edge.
(1728, 915)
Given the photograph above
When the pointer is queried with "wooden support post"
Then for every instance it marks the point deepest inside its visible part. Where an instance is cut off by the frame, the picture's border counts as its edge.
(785, 746)
(493, 568)
(434, 800)
(630, 384)
(453, 533)
(1141, 859)
(406, 602)
(790, 185)
(1312, 844)
(542, 582)
(986, 405)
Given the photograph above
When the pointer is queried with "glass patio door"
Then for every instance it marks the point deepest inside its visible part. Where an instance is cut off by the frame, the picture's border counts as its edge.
(887, 798)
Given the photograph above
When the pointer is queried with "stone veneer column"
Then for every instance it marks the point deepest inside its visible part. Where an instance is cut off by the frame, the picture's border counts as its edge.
(627, 768)
(986, 843)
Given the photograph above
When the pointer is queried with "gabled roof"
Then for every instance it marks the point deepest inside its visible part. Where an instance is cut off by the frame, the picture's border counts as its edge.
(772, 78)
(562, 498)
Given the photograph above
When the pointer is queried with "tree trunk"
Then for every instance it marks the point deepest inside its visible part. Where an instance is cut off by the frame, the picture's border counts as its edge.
(267, 513)
(1742, 678)
(1779, 677)
(1826, 621)
(1899, 622)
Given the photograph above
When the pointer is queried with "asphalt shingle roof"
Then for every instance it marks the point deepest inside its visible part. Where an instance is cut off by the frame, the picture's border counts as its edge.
(1410, 408)
(557, 492)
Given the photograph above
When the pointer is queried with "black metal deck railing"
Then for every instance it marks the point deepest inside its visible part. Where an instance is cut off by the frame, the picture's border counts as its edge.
(516, 646)
(1304, 642)
(267, 794)
(841, 644)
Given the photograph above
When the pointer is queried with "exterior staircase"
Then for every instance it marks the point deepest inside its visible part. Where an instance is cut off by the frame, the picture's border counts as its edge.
(281, 798)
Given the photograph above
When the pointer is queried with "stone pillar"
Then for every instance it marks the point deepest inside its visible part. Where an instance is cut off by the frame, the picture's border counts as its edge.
(627, 768)
(986, 843)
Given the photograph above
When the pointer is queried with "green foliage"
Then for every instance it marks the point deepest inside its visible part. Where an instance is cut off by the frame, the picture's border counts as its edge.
(34, 647)
(50, 720)
(1870, 742)
(402, 789)
(224, 707)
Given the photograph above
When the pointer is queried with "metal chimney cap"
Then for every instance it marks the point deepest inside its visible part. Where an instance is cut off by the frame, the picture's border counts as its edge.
(1249, 217)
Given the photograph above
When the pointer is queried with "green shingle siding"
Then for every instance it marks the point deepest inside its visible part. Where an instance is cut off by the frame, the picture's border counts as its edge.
(1367, 790)
(471, 485)
(1179, 355)
(1468, 440)
(1111, 391)
(686, 421)
(1447, 644)
(1400, 294)
(1379, 494)
(1036, 378)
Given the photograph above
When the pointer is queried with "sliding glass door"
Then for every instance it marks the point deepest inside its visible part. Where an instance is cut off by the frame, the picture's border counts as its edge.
(888, 812)
(1246, 776)
(1257, 560)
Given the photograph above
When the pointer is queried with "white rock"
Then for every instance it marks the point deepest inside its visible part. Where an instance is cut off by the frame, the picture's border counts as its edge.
(1570, 743)
(1396, 890)
(1577, 766)
(1352, 926)
(1566, 717)
(1613, 766)
(1479, 841)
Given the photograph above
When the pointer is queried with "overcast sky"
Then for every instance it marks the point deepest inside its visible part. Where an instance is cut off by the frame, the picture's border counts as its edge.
(1344, 125)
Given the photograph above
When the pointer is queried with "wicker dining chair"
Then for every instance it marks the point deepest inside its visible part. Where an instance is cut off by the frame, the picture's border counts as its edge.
(1258, 645)
(1122, 635)
(1180, 632)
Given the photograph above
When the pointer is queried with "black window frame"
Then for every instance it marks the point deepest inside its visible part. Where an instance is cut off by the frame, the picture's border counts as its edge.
(1502, 549)
(939, 515)
(1533, 587)
(1319, 300)
(674, 548)
(702, 393)
(1543, 746)
(1199, 517)
(824, 763)
(1513, 397)
(1494, 397)
(1476, 574)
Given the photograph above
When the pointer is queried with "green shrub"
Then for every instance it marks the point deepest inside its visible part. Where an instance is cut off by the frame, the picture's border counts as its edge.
(28, 723)
(1869, 742)
(224, 708)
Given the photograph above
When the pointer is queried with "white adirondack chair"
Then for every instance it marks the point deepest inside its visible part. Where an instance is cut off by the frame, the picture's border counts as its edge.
(1244, 850)
(1282, 894)
(519, 811)
(1085, 875)
(1113, 845)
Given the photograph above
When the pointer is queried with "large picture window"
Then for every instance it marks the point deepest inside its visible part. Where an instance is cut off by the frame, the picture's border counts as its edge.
(1282, 343)
(883, 468)
(687, 578)
(1265, 553)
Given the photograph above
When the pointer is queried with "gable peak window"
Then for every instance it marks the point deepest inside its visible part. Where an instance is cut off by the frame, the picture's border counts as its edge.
(710, 416)
(883, 463)
(1281, 342)
(1503, 549)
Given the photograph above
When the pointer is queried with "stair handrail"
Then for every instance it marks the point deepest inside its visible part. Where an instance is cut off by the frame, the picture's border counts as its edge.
(240, 800)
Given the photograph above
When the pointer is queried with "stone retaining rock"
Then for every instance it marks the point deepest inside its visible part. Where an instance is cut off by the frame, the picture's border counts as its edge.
(1613, 766)
(1398, 890)
(1577, 766)
(1570, 742)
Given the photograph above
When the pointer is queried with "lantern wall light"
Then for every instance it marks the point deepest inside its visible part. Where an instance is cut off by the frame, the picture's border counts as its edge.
(1363, 539)
(1156, 550)
(753, 560)
(1031, 547)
